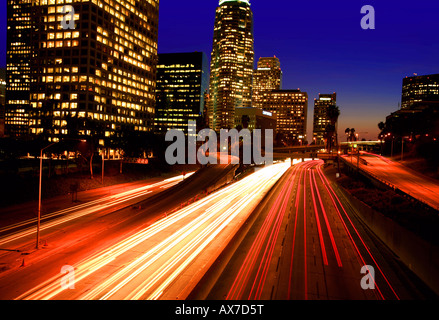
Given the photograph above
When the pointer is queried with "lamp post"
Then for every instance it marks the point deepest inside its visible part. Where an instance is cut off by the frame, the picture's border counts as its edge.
(391, 152)
(402, 149)
(39, 194)
(39, 190)
(103, 164)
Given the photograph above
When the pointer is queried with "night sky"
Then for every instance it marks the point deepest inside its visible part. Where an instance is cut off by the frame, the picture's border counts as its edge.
(321, 47)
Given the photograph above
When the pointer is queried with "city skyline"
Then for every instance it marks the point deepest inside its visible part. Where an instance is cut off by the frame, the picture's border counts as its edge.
(302, 165)
(367, 69)
(366, 75)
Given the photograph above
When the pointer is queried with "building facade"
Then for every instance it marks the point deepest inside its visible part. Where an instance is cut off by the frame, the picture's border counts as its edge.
(420, 89)
(101, 73)
(291, 109)
(254, 118)
(232, 59)
(18, 57)
(267, 77)
(2, 101)
(182, 82)
(321, 119)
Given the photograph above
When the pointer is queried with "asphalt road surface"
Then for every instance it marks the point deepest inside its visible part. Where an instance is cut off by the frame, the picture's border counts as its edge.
(76, 233)
(166, 259)
(308, 244)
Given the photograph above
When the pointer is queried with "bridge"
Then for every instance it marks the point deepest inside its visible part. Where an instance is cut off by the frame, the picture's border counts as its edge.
(319, 151)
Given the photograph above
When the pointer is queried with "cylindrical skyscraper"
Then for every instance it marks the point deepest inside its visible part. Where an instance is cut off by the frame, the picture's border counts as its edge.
(232, 62)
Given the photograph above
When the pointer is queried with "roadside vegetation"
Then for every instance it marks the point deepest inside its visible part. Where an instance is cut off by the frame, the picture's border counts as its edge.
(410, 214)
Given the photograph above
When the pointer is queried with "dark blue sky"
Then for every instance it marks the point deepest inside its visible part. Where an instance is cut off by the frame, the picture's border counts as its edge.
(321, 47)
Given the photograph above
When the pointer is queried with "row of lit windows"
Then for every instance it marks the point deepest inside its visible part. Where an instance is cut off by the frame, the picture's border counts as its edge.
(63, 35)
(59, 18)
(59, 44)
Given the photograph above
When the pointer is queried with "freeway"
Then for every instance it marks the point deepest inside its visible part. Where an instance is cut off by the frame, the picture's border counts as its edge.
(418, 186)
(166, 259)
(12, 234)
(72, 237)
(306, 243)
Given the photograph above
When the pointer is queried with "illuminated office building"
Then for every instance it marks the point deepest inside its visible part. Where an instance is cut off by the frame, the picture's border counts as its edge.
(255, 118)
(420, 90)
(267, 77)
(18, 56)
(2, 101)
(291, 109)
(182, 82)
(103, 70)
(321, 119)
(232, 60)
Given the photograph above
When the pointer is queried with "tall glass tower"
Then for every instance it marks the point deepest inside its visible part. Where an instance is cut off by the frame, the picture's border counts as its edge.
(99, 77)
(232, 63)
(18, 76)
(267, 77)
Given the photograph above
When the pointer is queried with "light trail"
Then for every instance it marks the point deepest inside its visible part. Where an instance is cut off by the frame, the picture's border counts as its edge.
(332, 192)
(170, 246)
(290, 275)
(319, 227)
(72, 213)
(312, 189)
(272, 223)
(328, 226)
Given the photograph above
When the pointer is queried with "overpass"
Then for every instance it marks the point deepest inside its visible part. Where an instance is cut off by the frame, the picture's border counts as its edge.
(319, 151)
(403, 180)
(304, 152)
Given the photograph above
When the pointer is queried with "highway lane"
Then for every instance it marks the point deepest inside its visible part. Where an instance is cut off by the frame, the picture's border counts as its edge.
(74, 241)
(166, 259)
(14, 235)
(307, 244)
(413, 183)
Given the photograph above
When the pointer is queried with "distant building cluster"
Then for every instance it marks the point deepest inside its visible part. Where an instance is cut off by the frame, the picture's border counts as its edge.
(106, 73)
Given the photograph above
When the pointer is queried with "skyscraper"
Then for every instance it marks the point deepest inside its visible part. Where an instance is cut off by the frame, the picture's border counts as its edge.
(182, 82)
(19, 54)
(231, 69)
(321, 119)
(291, 109)
(2, 101)
(267, 77)
(102, 72)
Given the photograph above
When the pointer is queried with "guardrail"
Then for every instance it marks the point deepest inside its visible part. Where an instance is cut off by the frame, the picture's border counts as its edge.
(387, 183)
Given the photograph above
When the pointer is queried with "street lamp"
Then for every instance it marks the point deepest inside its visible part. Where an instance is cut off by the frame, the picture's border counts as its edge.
(402, 148)
(391, 152)
(39, 194)
(40, 187)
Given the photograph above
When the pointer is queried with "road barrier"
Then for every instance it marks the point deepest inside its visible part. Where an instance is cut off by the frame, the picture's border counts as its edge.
(372, 176)
(419, 255)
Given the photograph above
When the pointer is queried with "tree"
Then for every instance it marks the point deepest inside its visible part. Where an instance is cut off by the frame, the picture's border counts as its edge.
(347, 132)
(352, 136)
(97, 132)
(332, 114)
(245, 121)
(382, 127)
